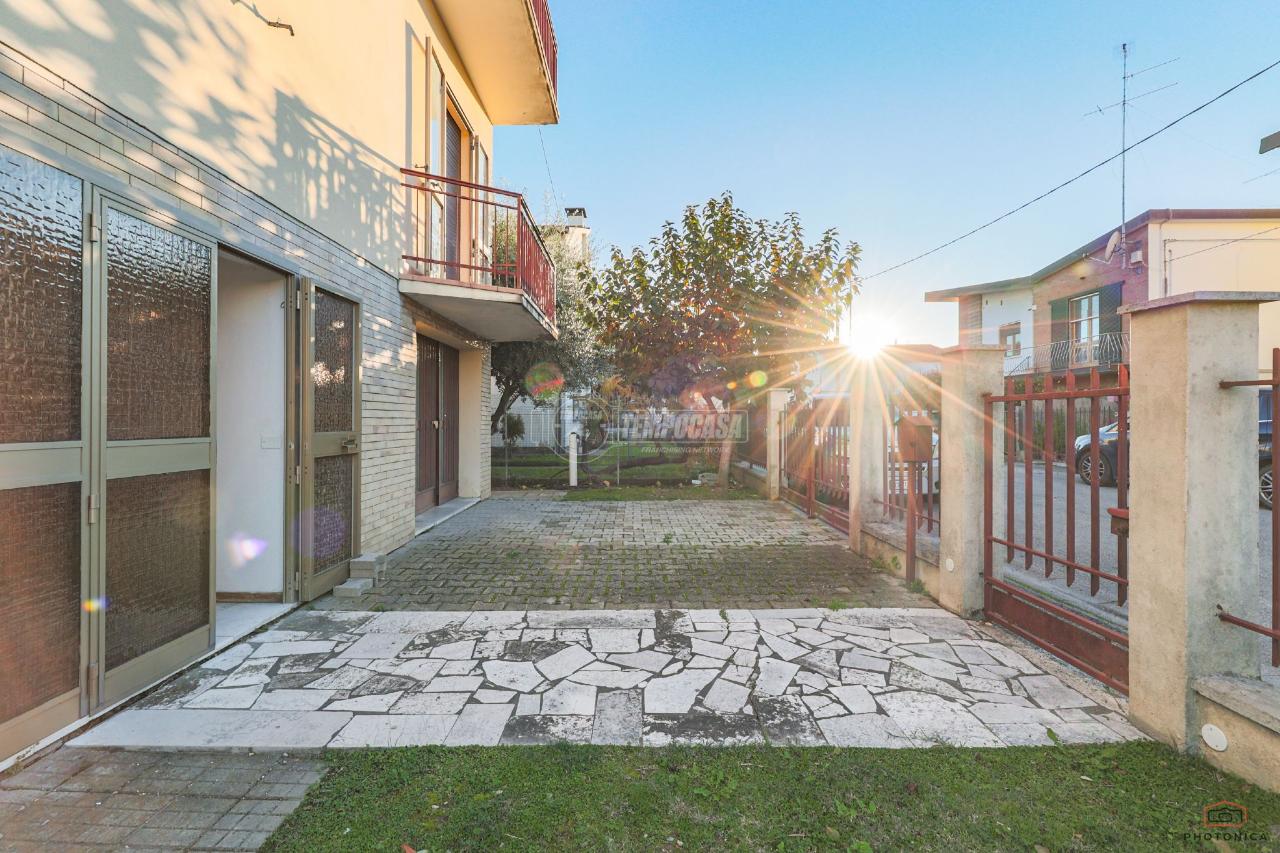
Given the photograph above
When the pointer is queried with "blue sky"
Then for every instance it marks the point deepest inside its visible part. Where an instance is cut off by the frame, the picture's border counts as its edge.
(901, 124)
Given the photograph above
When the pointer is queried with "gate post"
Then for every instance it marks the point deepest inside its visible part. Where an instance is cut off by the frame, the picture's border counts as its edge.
(777, 409)
(1193, 497)
(968, 372)
(867, 413)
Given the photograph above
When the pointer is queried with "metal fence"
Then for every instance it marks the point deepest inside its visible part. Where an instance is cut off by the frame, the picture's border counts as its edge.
(815, 455)
(530, 447)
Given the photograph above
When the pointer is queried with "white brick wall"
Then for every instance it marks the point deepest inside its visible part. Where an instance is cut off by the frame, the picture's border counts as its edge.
(39, 106)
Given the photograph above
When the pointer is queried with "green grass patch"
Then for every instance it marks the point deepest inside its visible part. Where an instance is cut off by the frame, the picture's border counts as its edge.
(677, 492)
(1136, 796)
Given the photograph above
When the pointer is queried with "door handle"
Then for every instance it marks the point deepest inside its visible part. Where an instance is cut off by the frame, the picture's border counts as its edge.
(349, 444)
(435, 424)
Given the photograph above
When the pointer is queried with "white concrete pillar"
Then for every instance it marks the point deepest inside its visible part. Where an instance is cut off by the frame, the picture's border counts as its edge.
(573, 460)
(1193, 497)
(967, 374)
(868, 414)
(474, 443)
(777, 409)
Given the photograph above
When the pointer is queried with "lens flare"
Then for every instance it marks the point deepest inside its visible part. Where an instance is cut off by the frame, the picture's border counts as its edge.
(757, 378)
(94, 605)
(544, 380)
(244, 549)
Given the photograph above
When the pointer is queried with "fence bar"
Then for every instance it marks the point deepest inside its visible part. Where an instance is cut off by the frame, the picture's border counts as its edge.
(1069, 435)
(988, 496)
(1010, 450)
(1048, 484)
(1122, 482)
(1095, 477)
(1028, 480)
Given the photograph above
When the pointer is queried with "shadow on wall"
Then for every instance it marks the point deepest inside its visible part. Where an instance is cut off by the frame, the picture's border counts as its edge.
(184, 70)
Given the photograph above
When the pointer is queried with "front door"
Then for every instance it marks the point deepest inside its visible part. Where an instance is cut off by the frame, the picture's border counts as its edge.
(106, 448)
(428, 432)
(152, 508)
(328, 535)
(437, 424)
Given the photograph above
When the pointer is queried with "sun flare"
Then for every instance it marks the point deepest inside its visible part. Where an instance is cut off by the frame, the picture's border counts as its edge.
(866, 335)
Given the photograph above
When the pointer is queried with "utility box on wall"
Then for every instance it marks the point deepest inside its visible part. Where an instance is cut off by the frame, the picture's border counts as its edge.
(915, 438)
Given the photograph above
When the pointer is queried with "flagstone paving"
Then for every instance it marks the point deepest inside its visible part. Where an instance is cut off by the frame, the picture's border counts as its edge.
(542, 553)
(879, 677)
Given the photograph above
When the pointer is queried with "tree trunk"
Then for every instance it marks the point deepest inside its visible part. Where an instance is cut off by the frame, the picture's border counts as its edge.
(504, 402)
(726, 445)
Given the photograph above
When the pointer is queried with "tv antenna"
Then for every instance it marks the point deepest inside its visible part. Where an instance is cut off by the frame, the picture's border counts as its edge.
(1119, 240)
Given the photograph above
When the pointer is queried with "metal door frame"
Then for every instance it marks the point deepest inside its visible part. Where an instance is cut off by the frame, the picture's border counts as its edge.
(311, 585)
(140, 458)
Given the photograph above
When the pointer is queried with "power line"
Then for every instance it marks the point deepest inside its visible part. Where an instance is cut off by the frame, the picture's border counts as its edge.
(1095, 167)
(1226, 243)
(547, 162)
(1263, 175)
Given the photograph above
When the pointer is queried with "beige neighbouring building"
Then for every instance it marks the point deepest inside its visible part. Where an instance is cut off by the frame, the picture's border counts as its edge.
(252, 265)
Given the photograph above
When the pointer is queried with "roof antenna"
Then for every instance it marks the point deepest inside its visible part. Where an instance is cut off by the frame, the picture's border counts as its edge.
(1124, 128)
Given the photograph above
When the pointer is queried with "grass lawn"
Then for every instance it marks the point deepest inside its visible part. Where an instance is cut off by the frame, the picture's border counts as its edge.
(1137, 796)
(659, 493)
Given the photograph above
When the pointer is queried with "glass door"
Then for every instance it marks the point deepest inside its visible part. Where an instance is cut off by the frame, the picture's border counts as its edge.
(44, 451)
(151, 507)
(330, 380)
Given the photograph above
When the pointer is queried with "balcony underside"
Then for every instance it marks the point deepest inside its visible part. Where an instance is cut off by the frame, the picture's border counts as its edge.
(498, 314)
(500, 48)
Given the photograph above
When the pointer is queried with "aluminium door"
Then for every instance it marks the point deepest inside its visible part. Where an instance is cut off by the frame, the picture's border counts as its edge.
(428, 424)
(44, 450)
(329, 525)
(151, 507)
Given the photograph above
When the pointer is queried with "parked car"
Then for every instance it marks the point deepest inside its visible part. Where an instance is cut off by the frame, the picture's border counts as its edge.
(1109, 439)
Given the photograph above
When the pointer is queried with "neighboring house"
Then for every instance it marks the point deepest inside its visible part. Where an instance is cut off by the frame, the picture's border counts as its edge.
(1064, 316)
(251, 246)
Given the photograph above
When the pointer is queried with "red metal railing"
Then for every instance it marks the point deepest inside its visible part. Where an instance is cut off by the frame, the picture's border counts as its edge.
(1273, 632)
(547, 35)
(901, 480)
(815, 473)
(474, 234)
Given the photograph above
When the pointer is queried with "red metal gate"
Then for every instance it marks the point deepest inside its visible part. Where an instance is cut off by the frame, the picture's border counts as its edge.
(815, 459)
(1040, 420)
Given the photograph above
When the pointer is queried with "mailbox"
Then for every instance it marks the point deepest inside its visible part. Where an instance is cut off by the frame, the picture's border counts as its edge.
(915, 438)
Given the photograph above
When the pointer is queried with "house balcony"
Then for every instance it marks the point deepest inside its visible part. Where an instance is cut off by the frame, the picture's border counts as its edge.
(478, 260)
(1102, 351)
(508, 48)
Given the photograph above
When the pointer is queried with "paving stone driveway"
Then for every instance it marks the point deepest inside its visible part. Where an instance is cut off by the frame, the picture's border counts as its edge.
(96, 799)
(873, 677)
(511, 553)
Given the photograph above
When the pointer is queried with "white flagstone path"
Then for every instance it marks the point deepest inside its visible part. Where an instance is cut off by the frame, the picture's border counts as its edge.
(808, 677)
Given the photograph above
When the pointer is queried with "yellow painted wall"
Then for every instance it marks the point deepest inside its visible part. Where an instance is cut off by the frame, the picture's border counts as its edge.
(318, 123)
(1204, 258)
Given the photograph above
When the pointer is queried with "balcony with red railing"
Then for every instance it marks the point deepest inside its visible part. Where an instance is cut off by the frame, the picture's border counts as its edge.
(476, 258)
